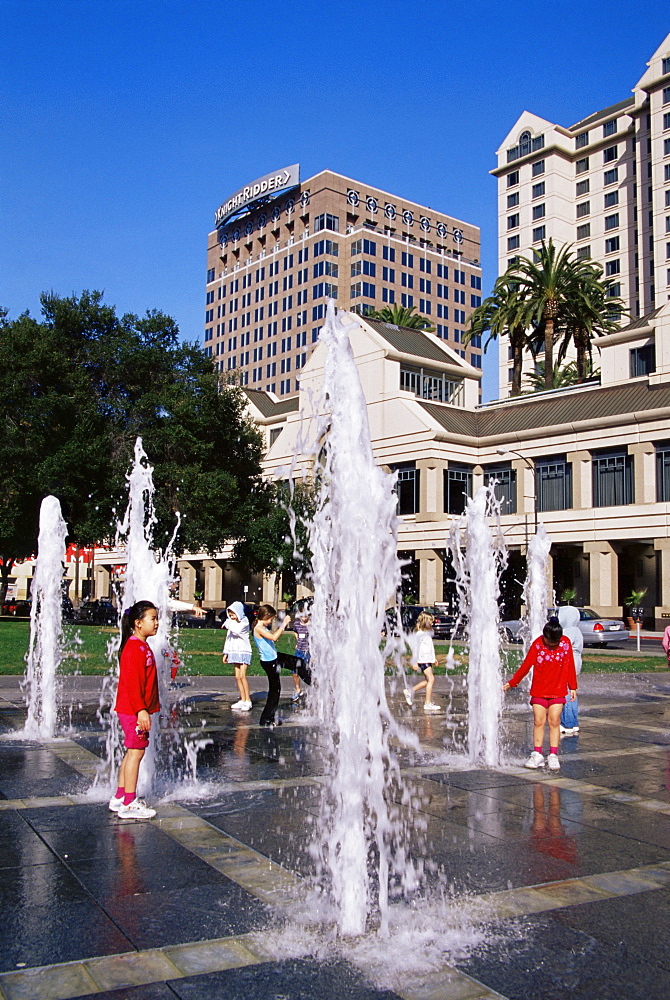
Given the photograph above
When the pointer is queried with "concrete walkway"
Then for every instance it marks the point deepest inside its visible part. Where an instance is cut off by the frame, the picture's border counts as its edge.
(537, 885)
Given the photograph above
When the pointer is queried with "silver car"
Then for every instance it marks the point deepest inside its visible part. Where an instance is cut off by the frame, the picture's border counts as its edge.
(596, 630)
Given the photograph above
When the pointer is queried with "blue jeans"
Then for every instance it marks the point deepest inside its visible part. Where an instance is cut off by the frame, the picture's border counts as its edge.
(569, 714)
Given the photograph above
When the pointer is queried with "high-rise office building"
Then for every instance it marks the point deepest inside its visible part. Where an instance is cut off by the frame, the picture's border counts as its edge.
(282, 247)
(603, 185)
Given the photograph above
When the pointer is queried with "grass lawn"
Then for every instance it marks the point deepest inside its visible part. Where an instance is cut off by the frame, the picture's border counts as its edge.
(201, 653)
(87, 649)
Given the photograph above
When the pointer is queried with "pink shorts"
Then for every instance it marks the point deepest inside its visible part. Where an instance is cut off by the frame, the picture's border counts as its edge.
(546, 702)
(132, 740)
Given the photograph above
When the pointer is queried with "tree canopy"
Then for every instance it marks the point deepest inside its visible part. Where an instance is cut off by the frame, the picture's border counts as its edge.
(402, 316)
(555, 297)
(78, 387)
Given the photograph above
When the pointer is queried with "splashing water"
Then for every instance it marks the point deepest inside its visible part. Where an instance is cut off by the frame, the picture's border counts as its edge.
(46, 624)
(148, 576)
(356, 575)
(479, 556)
(535, 587)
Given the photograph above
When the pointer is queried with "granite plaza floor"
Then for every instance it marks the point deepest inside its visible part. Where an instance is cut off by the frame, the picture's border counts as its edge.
(566, 876)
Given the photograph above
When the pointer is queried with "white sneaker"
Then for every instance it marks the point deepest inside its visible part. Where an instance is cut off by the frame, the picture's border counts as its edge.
(408, 696)
(567, 731)
(245, 706)
(238, 704)
(136, 810)
(553, 762)
(296, 696)
(575, 730)
(115, 804)
(431, 707)
(534, 761)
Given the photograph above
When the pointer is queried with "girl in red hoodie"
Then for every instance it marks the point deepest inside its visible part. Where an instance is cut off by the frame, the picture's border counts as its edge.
(136, 701)
(553, 673)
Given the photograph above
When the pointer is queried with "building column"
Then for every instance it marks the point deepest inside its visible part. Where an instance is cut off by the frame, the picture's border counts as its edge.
(525, 487)
(102, 581)
(187, 580)
(582, 484)
(644, 471)
(603, 578)
(431, 489)
(213, 581)
(430, 576)
(477, 478)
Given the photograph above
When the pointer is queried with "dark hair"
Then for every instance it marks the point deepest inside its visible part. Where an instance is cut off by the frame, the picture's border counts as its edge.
(552, 631)
(133, 614)
(265, 611)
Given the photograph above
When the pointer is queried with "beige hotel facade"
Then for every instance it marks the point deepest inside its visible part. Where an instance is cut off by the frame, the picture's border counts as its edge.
(282, 247)
(603, 185)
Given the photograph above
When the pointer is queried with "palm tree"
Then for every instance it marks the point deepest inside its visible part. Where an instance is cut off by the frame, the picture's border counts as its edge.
(563, 376)
(503, 312)
(546, 287)
(401, 316)
(589, 312)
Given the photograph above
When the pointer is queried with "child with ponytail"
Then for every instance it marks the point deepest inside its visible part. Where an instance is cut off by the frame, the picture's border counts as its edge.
(136, 701)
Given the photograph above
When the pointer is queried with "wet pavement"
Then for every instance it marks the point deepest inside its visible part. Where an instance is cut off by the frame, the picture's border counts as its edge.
(540, 884)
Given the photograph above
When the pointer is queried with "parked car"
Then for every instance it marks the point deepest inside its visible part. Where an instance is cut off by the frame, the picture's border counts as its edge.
(100, 612)
(443, 624)
(16, 608)
(596, 630)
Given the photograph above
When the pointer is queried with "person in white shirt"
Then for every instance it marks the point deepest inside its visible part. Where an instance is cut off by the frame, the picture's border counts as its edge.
(237, 650)
(423, 659)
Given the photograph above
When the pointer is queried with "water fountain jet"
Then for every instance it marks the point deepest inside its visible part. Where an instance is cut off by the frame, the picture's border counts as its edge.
(356, 575)
(479, 556)
(46, 625)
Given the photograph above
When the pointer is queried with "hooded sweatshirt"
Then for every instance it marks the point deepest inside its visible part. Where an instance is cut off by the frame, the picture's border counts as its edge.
(237, 640)
(569, 619)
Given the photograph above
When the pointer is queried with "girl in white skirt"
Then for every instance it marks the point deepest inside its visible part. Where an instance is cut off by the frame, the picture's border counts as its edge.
(237, 650)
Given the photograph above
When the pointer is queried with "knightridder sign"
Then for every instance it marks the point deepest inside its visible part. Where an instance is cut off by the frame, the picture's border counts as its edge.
(260, 189)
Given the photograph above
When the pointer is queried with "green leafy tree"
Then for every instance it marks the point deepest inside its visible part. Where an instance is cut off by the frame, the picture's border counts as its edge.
(545, 286)
(590, 311)
(561, 293)
(402, 316)
(76, 390)
(278, 543)
(564, 375)
(502, 312)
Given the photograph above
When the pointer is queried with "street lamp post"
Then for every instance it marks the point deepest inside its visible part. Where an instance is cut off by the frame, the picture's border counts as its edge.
(533, 469)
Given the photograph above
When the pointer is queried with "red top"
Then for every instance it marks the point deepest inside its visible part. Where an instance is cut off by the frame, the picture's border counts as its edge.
(138, 679)
(554, 669)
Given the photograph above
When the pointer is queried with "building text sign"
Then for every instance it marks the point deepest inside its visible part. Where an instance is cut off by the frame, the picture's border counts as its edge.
(270, 184)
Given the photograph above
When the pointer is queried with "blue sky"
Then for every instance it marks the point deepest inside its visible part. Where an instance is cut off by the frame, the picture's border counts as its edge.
(127, 122)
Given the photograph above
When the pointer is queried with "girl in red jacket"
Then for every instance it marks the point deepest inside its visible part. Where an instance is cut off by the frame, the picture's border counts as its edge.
(554, 672)
(136, 701)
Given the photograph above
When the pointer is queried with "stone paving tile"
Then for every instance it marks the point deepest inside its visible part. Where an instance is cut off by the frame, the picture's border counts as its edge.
(158, 919)
(131, 970)
(198, 958)
(291, 980)
(56, 932)
(269, 825)
(552, 959)
(474, 779)
(152, 991)
(50, 983)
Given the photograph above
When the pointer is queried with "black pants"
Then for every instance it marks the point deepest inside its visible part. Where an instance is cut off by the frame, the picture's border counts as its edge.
(271, 668)
(296, 665)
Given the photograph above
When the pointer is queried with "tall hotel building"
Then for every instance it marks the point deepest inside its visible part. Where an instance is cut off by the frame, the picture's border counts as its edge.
(282, 247)
(603, 185)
